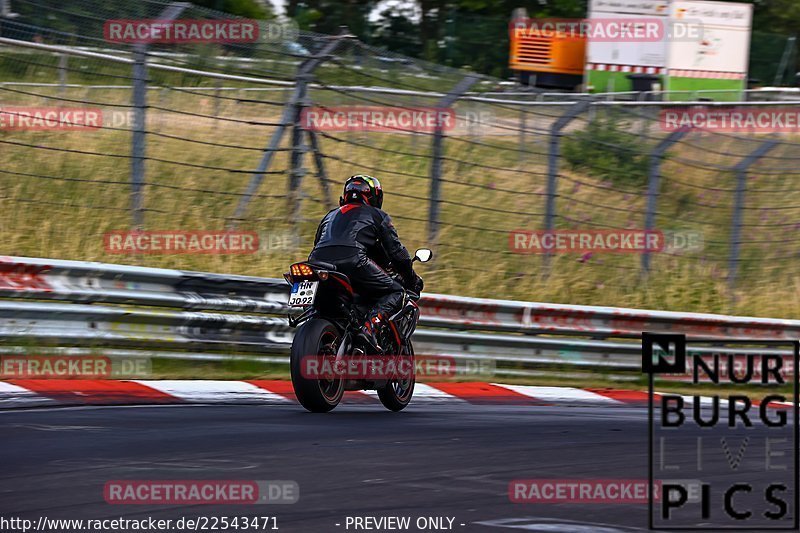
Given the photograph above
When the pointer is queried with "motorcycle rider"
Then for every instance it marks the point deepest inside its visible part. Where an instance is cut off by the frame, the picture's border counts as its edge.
(360, 239)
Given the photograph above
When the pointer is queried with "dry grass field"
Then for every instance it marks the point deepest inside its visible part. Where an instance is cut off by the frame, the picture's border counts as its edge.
(61, 191)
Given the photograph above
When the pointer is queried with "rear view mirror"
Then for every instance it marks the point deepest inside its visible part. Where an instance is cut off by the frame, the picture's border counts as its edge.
(423, 255)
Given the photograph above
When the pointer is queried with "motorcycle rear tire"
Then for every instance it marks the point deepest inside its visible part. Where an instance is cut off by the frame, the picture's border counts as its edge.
(315, 337)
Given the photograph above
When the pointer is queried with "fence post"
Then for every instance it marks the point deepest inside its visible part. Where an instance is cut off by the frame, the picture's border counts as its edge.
(296, 170)
(413, 133)
(217, 101)
(62, 74)
(320, 165)
(436, 153)
(741, 169)
(292, 111)
(552, 162)
(522, 126)
(654, 185)
(787, 53)
(138, 138)
(138, 141)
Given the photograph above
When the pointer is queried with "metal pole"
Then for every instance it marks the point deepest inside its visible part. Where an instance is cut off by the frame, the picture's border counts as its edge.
(217, 100)
(787, 52)
(437, 151)
(291, 115)
(522, 125)
(741, 169)
(138, 138)
(263, 165)
(320, 164)
(654, 185)
(62, 74)
(413, 133)
(299, 148)
(552, 158)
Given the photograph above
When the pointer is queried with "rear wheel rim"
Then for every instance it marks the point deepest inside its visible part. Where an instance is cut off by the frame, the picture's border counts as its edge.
(329, 388)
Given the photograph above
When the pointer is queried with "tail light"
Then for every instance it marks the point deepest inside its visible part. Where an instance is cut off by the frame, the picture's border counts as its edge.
(301, 270)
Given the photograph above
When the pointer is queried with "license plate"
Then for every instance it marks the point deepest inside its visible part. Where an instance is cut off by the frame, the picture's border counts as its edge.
(303, 293)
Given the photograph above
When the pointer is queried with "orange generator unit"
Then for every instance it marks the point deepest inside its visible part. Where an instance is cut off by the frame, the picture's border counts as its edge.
(544, 57)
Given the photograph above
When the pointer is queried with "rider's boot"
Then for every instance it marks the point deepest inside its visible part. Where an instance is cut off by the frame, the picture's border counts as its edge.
(370, 329)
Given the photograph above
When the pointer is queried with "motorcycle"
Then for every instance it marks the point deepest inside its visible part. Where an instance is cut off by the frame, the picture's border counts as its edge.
(327, 340)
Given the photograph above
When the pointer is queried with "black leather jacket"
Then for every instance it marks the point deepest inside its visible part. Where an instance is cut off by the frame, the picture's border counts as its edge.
(367, 229)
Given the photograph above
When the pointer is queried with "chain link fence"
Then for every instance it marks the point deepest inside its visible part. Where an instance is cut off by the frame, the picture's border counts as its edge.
(210, 137)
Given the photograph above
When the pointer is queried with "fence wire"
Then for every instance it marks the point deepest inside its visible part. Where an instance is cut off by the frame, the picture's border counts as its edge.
(212, 118)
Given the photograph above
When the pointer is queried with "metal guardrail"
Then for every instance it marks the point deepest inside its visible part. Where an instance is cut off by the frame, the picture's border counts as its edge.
(182, 314)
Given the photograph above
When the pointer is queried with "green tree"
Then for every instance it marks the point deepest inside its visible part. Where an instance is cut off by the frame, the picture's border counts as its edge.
(251, 9)
(327, 16)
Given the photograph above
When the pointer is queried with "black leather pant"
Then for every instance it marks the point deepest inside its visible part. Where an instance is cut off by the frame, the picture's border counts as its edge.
(369, 280)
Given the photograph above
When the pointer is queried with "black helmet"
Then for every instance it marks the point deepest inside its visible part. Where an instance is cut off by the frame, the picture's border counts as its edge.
(362, 188)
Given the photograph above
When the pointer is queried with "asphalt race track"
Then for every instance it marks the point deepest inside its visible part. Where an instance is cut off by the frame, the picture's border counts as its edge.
(360, 460)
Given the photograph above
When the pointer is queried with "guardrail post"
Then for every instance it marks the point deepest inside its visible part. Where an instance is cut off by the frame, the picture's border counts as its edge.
(654, 185)
(436, 151)
(292, 112)
(138, 139)
(552, 162)
(741, 169)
